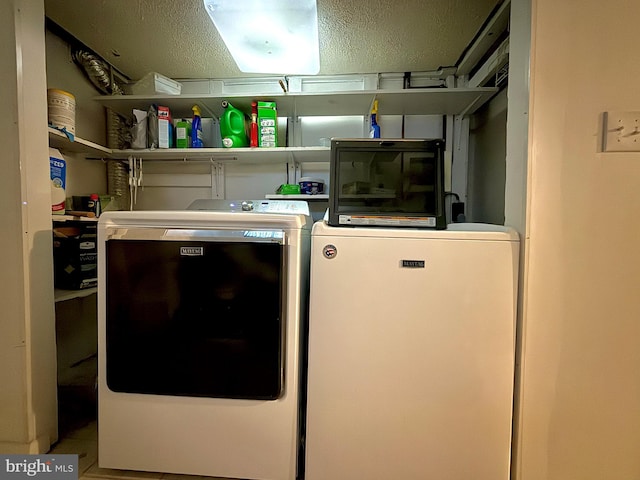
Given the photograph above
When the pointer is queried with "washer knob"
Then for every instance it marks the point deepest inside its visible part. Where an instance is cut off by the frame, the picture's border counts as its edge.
(247, 206)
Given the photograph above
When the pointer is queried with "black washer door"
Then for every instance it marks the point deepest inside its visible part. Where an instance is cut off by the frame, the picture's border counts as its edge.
(194, 318)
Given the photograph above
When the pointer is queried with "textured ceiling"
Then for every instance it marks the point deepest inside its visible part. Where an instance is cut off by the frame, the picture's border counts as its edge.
(177, 39)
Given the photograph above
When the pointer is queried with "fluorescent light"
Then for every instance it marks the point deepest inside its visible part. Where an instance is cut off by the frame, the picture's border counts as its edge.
(274, 36)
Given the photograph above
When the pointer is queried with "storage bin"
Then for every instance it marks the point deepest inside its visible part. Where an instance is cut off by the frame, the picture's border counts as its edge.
(61, 110)
(75, 254)
(153, 84)
(311, 186)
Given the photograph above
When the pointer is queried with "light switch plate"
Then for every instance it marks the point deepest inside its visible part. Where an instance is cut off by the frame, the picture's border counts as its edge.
(621, 132)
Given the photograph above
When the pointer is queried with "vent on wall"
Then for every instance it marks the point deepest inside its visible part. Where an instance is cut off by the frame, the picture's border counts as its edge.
(99, 72)
(102, 75)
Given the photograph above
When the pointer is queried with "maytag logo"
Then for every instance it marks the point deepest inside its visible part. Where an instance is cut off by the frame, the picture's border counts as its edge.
(412, 263)
(192, 251)
(54, 467)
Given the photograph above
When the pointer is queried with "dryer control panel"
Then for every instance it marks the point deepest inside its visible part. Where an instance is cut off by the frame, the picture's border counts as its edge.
(291, 207)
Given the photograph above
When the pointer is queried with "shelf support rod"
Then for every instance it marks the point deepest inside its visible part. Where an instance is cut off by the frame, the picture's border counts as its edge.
(217, 179)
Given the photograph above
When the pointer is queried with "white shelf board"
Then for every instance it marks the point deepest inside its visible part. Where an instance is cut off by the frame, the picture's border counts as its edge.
(65, 218)
(436, 101)
(415, 101)
(243, 155)
(61, 295)
(308, 198)
(60, 141)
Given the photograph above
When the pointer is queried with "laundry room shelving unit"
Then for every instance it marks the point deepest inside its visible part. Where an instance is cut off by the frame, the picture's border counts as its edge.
(79, 145)
(417, 101)
(450, 101)
(75, 322)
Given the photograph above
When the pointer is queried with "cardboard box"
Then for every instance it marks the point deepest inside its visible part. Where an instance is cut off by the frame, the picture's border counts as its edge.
(165, 128)
(75, 254)
(267, 124)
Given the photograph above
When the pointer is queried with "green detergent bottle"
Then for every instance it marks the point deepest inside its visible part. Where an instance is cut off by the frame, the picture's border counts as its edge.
(233, 127)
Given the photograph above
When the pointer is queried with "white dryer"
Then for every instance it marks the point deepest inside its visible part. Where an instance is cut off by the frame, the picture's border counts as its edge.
(200, 331)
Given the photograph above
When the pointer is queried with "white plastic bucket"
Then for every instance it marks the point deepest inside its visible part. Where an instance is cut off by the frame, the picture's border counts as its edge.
(62, 109)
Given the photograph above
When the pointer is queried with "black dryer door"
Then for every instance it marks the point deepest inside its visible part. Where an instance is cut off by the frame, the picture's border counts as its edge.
(195, 313)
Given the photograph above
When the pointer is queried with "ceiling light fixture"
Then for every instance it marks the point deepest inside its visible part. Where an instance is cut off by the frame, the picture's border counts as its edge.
(275, 36)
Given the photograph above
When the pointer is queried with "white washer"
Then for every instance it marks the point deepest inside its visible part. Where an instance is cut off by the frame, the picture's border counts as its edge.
(411, 353)
(200, 335)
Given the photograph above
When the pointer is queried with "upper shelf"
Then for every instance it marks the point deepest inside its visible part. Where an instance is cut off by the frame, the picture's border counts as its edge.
(245, 155)
(416, 101)
(60, 141)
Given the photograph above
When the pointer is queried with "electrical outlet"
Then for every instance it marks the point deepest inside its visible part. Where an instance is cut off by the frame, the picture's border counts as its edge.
(621, 132)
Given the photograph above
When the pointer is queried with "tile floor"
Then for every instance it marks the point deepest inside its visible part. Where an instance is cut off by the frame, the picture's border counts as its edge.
(83, 441)
(78, 432)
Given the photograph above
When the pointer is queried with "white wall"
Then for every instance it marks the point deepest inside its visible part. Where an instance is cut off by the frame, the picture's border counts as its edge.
(83, 176)
(580, 384)
(487, 166)
(28, 416)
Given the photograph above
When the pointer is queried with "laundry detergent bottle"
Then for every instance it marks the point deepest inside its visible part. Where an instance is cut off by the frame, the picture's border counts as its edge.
(374, 132)
(196, 128)
(233, 127)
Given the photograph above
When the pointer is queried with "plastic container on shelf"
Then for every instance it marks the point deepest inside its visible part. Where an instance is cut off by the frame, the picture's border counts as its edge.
(375, 128)
(183, 129)
(61, 109)
(254, 125)
(311, 186)
(153, 84)
(196, 128)
(288, 189)
(233, 127)
(94, 204)
(58, 173)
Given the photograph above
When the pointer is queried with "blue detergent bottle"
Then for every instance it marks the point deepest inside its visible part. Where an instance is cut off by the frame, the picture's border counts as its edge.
(375, 128)
(196, 128)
